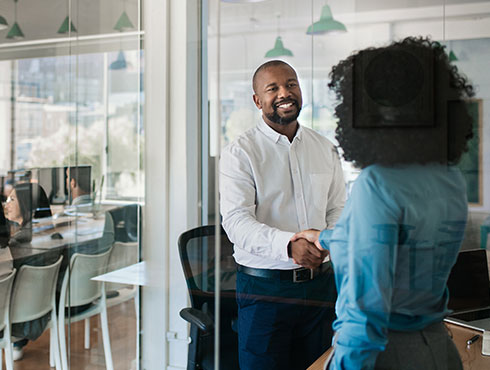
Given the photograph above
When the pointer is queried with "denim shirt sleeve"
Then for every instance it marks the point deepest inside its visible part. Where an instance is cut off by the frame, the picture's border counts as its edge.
(325, 237)
(370, 229)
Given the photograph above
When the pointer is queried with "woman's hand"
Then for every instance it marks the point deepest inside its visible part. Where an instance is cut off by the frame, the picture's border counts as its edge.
(311, 235)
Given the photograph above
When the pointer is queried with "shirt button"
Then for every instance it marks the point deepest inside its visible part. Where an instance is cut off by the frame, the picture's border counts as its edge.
(298, 195)
(295, 171)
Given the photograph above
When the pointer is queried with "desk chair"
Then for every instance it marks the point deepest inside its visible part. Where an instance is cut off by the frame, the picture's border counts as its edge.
(76, 290)
(196, 248)
(33, 296)
(122, 255)
(126, 222)
(5, 343)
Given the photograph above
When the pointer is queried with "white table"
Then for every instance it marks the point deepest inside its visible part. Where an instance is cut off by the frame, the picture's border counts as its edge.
(136, 274)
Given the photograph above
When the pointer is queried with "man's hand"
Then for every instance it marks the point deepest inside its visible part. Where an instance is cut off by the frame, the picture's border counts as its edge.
(306, 254)
(312, 235)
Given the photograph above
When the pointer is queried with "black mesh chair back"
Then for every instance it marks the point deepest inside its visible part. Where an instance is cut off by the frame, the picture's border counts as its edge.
(126, 220)
(197, 254)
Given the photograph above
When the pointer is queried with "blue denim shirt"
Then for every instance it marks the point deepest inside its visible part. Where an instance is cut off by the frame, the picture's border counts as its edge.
(392, 251)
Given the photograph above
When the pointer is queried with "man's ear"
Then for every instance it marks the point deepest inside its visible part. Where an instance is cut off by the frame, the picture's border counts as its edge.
(257, 101)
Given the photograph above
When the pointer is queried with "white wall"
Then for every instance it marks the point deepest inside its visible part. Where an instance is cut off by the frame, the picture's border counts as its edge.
(474, 59)
(171, 131)
(154, 299)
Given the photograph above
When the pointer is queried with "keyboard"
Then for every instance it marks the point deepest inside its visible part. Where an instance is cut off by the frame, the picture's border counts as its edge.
(472, 316)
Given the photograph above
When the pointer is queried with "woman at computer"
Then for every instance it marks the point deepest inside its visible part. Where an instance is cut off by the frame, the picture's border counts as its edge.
(403, 120)
(5, 256)
(25, 202)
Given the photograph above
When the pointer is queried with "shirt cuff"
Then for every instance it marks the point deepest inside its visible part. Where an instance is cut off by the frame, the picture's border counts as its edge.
(325, 237)
(280, 245)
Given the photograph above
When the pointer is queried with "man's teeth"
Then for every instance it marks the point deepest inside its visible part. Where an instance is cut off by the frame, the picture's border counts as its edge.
(285, 105)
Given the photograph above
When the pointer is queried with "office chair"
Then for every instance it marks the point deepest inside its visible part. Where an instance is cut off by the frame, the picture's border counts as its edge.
(77, 290)
(126, 220)
(33, 296)
(5, 341)
(197, 255)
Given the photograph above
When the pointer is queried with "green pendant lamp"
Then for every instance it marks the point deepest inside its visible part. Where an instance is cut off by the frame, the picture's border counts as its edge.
(3, 23)
(119, 63)
(452, 56)
(67, 25)
(326, 24)
(15, 32)
(279, 50)
(123, 24)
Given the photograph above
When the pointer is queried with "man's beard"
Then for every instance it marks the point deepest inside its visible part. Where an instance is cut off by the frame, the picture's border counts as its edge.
(274, 116)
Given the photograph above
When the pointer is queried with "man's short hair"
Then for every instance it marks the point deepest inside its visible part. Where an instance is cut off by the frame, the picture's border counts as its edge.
(266, 65)
(81, 175)
(388, 141)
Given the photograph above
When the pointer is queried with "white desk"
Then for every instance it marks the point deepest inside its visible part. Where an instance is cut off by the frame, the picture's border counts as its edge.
(136, 274)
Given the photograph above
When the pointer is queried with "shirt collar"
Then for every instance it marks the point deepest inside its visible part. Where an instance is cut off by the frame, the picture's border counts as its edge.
(276, 136)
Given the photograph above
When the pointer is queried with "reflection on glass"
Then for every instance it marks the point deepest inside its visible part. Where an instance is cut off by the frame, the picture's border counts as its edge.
(71, 169)
(236, 47)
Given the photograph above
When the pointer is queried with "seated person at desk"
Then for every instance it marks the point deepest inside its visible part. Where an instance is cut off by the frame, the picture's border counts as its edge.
(25, 202)
(78, 184)
(6, 189)
(401, 229)
(5, 264)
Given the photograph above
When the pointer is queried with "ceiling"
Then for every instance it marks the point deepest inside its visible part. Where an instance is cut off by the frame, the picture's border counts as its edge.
(295, 13)
(41, 19)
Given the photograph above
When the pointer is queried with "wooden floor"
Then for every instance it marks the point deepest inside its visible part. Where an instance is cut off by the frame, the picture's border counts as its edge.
(122, 328)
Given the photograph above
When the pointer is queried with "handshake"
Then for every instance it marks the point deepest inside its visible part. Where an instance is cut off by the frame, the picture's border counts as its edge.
(305, 249)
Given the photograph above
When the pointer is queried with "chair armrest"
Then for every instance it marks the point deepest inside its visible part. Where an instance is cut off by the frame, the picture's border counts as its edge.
(202, 320)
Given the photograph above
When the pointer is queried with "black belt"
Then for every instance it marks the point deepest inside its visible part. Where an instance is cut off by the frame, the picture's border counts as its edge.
(298, 275)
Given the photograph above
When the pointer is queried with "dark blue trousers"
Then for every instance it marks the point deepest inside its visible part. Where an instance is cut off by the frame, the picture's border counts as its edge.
(284, 325)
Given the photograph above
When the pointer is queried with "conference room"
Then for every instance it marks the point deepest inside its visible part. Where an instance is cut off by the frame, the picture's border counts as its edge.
(113, 117)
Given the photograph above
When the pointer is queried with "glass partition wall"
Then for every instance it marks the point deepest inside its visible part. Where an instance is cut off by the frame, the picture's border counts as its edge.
(238, 36)
(72, 97)
(71, 158)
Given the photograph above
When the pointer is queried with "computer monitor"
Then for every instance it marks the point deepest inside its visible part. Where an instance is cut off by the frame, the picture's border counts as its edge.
(468, 282)
(54, 181)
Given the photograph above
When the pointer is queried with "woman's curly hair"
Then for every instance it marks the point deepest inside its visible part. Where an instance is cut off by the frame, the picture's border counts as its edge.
(443, 143)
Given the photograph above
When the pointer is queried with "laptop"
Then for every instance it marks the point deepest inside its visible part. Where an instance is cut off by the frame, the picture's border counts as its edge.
(469, 291)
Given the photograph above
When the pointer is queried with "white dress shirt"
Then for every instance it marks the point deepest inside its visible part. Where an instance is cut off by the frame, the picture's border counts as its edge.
(271, 188)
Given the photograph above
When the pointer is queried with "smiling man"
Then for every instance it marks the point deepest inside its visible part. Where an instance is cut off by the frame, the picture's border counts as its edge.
(276, 179)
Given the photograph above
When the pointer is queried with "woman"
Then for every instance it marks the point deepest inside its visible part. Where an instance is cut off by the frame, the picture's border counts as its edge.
(25, 202)
(4, 229)
(402, 226)
(5, 255)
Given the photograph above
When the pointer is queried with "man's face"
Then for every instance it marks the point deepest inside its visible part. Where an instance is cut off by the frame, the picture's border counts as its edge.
(278, 94)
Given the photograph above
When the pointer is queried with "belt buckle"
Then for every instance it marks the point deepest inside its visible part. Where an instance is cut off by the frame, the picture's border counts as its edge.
(302, 274)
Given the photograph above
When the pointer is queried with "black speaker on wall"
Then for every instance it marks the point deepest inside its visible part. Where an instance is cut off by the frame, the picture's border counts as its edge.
(394, 88)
